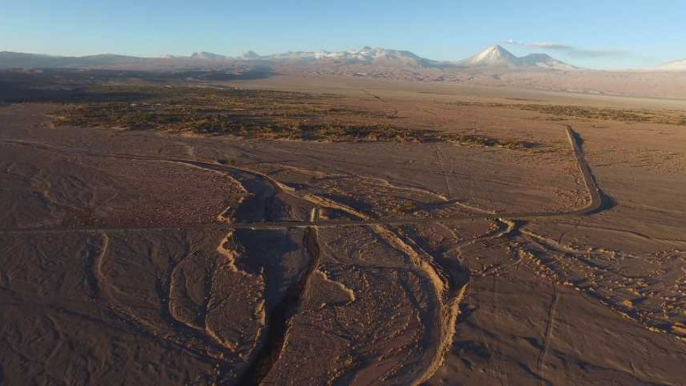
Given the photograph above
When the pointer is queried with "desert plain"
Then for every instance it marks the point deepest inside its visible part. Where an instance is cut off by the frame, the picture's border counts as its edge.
(285, 230)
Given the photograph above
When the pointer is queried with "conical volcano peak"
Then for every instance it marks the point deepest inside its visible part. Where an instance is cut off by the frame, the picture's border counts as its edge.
(497, 56)
(493, 55)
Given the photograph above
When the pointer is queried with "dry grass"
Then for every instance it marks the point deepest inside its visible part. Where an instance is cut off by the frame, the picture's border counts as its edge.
(248, 114)
(606, 114)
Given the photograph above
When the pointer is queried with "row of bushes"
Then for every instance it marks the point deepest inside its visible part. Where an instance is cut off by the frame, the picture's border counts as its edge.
(622, 115)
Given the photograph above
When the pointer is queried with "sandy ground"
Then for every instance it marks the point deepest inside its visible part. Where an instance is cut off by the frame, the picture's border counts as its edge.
(136, 258)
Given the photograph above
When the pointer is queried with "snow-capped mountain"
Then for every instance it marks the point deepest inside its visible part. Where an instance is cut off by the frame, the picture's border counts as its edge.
(492, 56)
(497, 56)
(677, 65)
(207, 56)
(251, 55)
(202, 55)
(365, 55)
(544, 61)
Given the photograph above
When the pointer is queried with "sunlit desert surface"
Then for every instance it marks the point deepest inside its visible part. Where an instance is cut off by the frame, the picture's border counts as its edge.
(289, 231)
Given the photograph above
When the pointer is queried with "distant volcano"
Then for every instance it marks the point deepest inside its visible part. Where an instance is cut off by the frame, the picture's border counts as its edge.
(497, 56)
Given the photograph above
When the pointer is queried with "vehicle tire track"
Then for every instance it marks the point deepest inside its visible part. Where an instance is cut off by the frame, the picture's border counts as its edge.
(501, 374)
(540, 365)
(393, 114)
(439, 156)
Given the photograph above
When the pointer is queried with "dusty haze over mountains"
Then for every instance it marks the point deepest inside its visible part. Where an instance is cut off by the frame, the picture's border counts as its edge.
(494, 56)
(493, 67)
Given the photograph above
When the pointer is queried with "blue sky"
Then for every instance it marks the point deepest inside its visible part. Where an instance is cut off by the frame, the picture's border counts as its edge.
(600, 33)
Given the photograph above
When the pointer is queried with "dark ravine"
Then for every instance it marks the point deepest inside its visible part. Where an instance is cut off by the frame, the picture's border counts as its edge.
(278, 319)
(454, 274)
(93, 254)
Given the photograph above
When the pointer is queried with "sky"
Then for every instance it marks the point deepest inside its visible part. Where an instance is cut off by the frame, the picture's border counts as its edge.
(595, 34)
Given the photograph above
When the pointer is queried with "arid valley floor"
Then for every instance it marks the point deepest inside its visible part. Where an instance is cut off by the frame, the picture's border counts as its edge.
(330, 231)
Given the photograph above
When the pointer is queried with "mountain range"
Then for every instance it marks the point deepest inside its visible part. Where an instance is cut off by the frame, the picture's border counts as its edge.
(365, 55)
(495, 57)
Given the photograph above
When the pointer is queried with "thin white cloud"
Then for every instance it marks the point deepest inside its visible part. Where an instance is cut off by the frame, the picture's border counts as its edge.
(573, 51)
(551, 46)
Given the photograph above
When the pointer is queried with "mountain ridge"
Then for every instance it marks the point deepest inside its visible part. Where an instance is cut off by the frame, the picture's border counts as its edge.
(493, 57)
(497, 56)
(364, 55)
